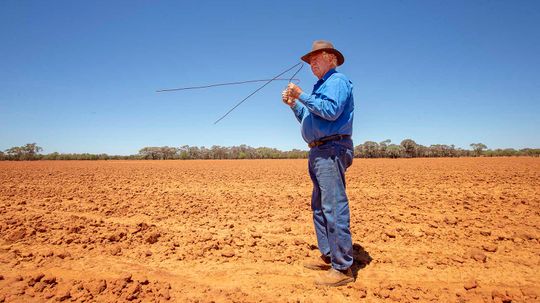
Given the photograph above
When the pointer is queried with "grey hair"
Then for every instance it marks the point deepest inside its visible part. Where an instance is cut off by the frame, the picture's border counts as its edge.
(332, 57)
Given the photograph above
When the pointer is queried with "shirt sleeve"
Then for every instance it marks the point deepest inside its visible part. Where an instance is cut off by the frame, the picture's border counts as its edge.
(330, 102)
(299, 111)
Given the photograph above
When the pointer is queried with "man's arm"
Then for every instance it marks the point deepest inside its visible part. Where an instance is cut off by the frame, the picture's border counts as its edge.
(299, 110)
(329, 105)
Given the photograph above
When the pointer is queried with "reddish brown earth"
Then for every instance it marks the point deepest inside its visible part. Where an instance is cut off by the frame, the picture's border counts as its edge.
(440, 230)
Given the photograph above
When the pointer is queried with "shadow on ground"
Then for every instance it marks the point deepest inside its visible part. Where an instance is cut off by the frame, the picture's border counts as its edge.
(361, 259)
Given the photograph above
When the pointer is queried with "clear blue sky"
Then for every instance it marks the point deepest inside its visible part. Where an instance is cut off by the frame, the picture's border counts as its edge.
(80, 76)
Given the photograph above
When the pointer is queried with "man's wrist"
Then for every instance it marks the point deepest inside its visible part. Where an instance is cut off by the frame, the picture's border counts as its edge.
(303, 96)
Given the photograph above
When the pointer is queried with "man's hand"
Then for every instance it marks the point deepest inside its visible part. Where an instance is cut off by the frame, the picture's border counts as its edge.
(287, 99)
(290, 94)
(294, 91)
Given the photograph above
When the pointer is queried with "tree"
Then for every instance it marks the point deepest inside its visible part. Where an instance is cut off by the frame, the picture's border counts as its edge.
(409, 147)
(152, 153)
(168, 152)
(359, 151)
(395, 151)
(478, 148)
(26, 152)
(195, 152)
(441, 150)
(383, 146)
(14, 152)
(183, 152)
(219, 152)
(205, 153)
(371, 149)
(422, 151)
(160, 153)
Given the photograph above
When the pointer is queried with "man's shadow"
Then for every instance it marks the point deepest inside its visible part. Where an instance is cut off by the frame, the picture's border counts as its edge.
(361, 259)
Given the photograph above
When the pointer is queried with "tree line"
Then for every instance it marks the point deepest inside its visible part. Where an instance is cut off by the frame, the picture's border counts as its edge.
(408, 148)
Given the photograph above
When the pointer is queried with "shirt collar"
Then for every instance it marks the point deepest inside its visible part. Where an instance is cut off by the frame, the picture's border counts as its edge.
(328, 74)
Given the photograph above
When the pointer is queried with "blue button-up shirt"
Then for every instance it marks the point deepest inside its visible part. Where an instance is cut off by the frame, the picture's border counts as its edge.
(329, 110)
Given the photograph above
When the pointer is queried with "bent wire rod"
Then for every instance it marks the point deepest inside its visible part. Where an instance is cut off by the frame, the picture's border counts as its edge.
(290, 98)
(222, 84)
(292, 78)
(258, 89)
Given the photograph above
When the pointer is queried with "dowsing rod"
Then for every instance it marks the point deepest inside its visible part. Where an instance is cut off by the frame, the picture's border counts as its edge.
(276, 78)
(258, 89)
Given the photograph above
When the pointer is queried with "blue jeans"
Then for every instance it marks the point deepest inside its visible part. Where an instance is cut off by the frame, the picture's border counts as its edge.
(331, 215)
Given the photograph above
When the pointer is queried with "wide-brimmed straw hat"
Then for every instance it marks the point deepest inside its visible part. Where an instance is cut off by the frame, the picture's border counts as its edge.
(321, 45)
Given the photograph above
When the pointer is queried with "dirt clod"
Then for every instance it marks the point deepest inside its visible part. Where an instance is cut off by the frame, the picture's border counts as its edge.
(470, 284)
(153, 237)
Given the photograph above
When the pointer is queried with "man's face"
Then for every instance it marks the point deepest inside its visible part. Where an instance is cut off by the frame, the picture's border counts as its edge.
(320, 64)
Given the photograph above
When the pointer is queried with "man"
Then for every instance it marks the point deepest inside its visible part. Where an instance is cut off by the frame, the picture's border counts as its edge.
(326, 116)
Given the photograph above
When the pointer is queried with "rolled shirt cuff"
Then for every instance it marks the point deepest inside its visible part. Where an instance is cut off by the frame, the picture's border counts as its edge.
(303, 97)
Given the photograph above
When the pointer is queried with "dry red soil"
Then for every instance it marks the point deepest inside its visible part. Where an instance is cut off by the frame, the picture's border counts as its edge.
(439, 230)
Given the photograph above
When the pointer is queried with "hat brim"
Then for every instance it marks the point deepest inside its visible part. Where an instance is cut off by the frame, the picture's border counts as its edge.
(339, 55)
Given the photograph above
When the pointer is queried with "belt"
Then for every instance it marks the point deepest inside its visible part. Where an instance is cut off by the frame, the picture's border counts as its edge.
(323, 140)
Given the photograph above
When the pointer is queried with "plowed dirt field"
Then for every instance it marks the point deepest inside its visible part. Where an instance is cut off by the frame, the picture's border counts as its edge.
(440, 230)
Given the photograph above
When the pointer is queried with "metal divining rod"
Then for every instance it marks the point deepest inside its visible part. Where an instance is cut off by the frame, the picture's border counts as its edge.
(258, 89)
(222, 84)
(267, 81)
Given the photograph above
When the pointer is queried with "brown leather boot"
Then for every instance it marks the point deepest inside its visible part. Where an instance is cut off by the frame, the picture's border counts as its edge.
(334, 277)
(320, 263)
